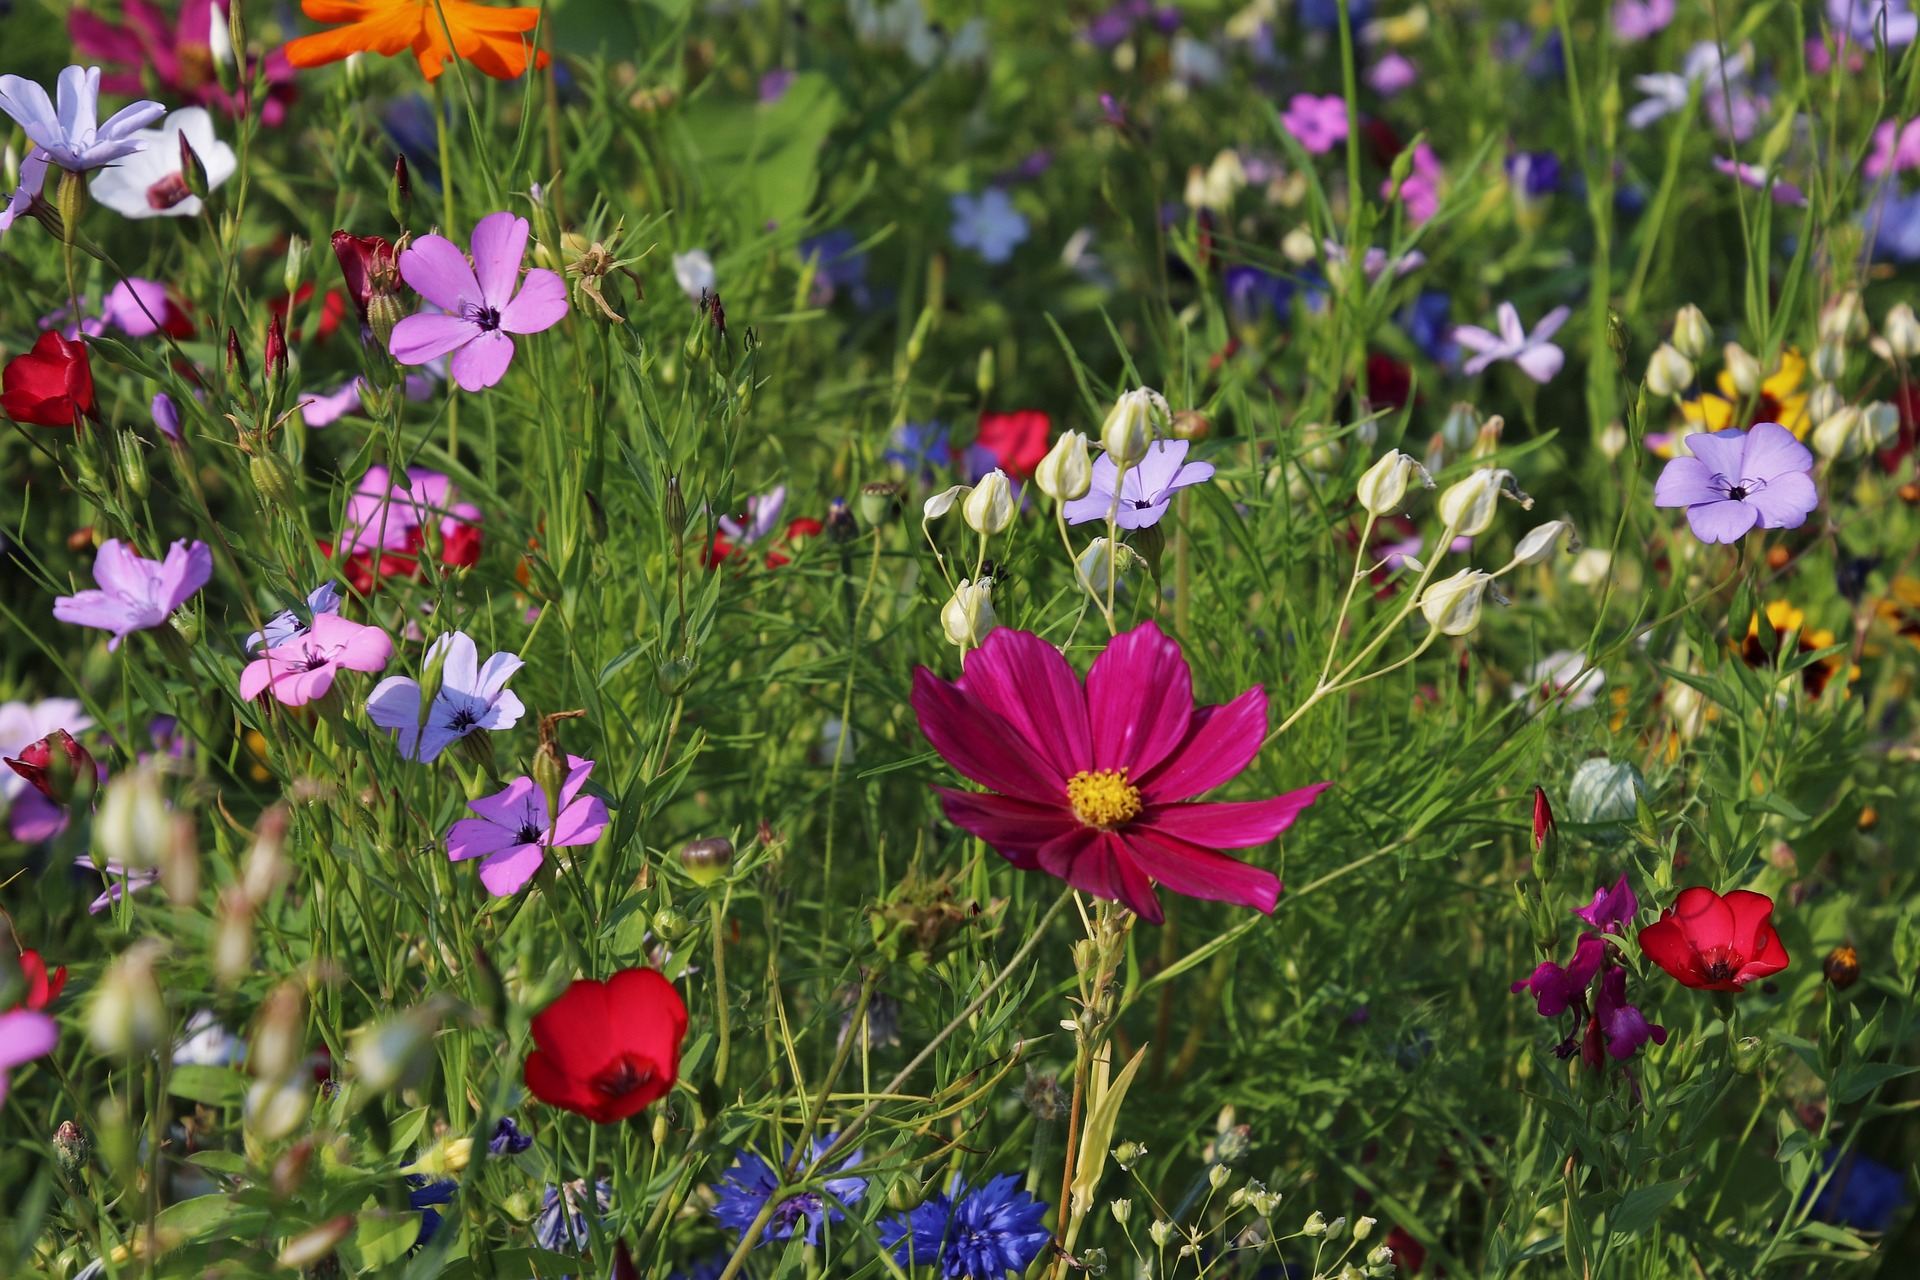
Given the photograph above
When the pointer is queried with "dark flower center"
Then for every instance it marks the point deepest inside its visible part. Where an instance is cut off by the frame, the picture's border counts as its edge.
(792, 1212)
(167, 192)
(1719, 964)
(463, 719)
(1738, 490)
(488, 318)
(527, 834)
(622, 1077)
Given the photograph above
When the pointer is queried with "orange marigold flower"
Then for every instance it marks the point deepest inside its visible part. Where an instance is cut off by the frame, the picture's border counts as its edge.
(493, 40)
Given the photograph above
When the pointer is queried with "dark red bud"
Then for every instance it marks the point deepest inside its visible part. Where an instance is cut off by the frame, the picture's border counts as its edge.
(1542, 818)
(276, 348)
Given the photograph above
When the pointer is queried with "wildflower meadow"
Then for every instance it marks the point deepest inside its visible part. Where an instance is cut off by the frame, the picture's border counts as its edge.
(857, 639)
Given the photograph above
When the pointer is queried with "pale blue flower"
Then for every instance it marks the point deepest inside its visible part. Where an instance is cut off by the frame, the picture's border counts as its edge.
(988, 223)
(470, 697)
(68, 136)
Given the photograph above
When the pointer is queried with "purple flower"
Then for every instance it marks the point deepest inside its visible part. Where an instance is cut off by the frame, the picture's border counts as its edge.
(1425, 321)
(1538, 358)
(470, 697)
(324, 408)
(762, 518)
(515, 828)
(24, 1036)
(1624, 1027)
(305, 668)
(980, 1233)
(285, 627)
(775, 83)
(483, 302)
(1864, 19)
(752, 1180)
(1393, 73)
(70, 137)
(1317, 123)
(1145, 492)
(1893, 221)
(1556, 987)
(1896, 147)
(1535, 175)
(136, 594)
(1737, 479)
(1635, 20)
(1612, 910)
(1752, 175)
(507, 1140)
(166, 416)
(988, 223)
(119, 879)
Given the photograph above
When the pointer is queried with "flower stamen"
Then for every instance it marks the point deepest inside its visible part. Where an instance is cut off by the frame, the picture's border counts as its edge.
(1103, 798)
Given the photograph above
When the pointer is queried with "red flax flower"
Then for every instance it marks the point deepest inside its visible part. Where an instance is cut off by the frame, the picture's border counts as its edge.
(1092, 784)
(49, 386)
(605, 1050)
(43, 986)
(1714, 943)
(1018, 440)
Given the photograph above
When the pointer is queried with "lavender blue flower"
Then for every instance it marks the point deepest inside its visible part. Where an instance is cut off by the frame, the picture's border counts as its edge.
(286, 626)
(470, 697)
(70, 136)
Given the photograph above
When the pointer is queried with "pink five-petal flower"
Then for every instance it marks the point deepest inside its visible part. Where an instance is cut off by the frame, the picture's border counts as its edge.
(515, 829)
(1736, 480)
(1554, 987)
(134, 593)
(24, 1036)
(1094, 783)
(1611, 910)
(1538, 358)
(304, 668)
(479, 305)
(1896, 147)
(1316, 122)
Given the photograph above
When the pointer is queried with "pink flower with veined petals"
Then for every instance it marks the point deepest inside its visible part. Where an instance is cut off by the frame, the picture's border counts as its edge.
(515, 828)
(1095, 783)
(1420, 193)
(303, 669)
(480, 303)
(179, 53)
(24, 1036)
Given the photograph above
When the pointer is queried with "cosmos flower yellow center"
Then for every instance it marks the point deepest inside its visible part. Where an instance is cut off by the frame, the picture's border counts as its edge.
(1103, 797)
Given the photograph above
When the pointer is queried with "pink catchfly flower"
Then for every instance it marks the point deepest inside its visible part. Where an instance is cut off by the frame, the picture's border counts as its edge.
(1317, 123)
(304, 668)
(25, 1034)
(1538, 358)
(1095, 783)
(135, 593)
(515, 828)
(481, 303)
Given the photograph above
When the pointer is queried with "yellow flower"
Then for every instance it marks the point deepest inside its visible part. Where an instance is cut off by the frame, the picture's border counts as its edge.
(1781, 400)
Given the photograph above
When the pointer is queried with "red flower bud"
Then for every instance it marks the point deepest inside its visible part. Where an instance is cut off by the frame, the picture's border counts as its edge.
(236, 359)
(276, 353)
(57, 777)
(49, 386)
(367, 265)
(1542, 818)
(605, 1050)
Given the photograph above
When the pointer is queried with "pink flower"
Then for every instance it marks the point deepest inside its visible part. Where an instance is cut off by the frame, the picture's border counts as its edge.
(1635, 20)
(179, 55)
(1752, 175)
(1538, 358)
(24, 1036)
(388, 514)
(303, 669)
(1896, 147)
(1392, 73)
(136, 594)
(481, 303)
(1317, 122)
(1420, 193)
(515, 828)
(1092, 784)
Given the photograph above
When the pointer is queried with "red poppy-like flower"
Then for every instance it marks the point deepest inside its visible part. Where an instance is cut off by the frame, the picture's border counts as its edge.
(605, 1050)
(43, 987)
(333, 307)
(1714, 943)
(53, 777)
(49, 386)
(799, 530)
(1092, 783)
(1018, 440)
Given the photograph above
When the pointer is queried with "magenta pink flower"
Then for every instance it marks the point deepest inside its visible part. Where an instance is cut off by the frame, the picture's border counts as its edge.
(1316, 122)
(1896, 147)
(480, 304)
(303, 669)
(515, 828)
(179, 54)
(1420, 193)
(24, 1036)
(1093, 784)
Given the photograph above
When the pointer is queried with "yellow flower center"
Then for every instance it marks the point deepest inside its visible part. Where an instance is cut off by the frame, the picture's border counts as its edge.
(1103, 797)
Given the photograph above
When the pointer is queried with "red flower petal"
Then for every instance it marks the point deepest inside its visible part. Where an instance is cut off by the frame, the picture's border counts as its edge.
(608, 1049)
(1233, 825)
(1015, 828)
(1666, 945)
(1704, 917)
(1188, 869)
(1752, 921)
(1220, 743)
(1024, 679)
(980, 744)
(1139, 700)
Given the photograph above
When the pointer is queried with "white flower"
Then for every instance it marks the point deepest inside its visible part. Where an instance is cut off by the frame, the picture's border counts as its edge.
(989, 508)
(1384, 485)
(694, 272)
(1467, 505)
(1540, 541)
(969, 615)
(1668, 371)
(1562, 675)
(150, 183)
(1129, 425)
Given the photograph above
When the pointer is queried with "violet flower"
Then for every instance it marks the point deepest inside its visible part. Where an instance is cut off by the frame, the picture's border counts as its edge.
(1752, 175)
(1392, 73)
(483, 302)
(1635, 20)
(1611, 910)
(285, 627)
(1896, 147)
(1736, 480)
(1538, 358)
(1866, 20)
(1420, 192)
(180, 55)
(25, 1034)
(120, 880)
(136, 594)
(70, 137)
(1317, 123)
(1148, 487)
(321, 409)
(1623, 1026)
(1670, 91)
(762, 517)
(1555, 987)
(392, 515)
(515, 828)
(304, 669)
(988, 223)
(470, 697)
(166, 416)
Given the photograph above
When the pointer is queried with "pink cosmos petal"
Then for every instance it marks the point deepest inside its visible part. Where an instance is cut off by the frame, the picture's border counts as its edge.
(472, 837)
(1786, 502)
(541, 304)
(1234, 824)
(499, 243)
(1196, 872)
(438, 272)
(428, 335)
(483, 361)
(1771, 450)
(1541, 362)
(1686, 482)
(1139, 700)
(1014, 828)
(507, 872)
(1722, 521)
(1220, 743)
(1721, 450)
(981, 745)
(1097, 862)
(1026, 681)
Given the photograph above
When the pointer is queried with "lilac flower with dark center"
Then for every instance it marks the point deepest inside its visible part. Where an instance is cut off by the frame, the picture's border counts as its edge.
(1538, 358)
(514, 828)
(70, 136)
(286, 626)
(1611, 910)
(980, 1233)
(1146, 490)
(136, 594)
(744, 1192)
(470, 697)
(1736, 480)
(480, 303)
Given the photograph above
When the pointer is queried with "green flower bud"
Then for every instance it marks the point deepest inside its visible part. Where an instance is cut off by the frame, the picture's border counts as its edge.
(707, 861)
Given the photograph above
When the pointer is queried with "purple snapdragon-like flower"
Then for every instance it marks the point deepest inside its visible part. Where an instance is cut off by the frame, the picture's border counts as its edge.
(751, 1181)
(481, 303)
(1623, 1027)
(1317, 123)
(1538, 358)
(470, 697)
(69, 136)
(286, 626)
(514, 828)
(1735, 481)
(1611, 910)
(135, 594)
(1146, 490)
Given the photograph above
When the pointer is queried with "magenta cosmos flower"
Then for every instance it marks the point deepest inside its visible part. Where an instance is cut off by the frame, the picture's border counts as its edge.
(515, 828)
(480, 304)
(180, 54)
(303, 669)
(1736, 480)
(135, 593)
(1092, 784)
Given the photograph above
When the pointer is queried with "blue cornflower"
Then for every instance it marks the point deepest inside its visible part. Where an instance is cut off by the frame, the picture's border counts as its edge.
(1324, 15)
(507, 1140)
(1253, 294)
(751, 1180)
(1535, 174)
(561, 1225)
(1863, 1193)
(920, 447)
(710, 1269)
(979, 1234)
(427, 1194)
(840, 267)
(1426, 321)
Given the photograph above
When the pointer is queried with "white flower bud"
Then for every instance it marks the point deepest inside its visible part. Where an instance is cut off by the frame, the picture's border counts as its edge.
(1668, 372)
(1824, 401)
(969, 615)
(391, 1053)
(942, 502)
(1335, 1227)
(989, 508)
(1691, 332)
(1467, 505)
(1299, 247)
(1385, 483)
(1829, 361)
(275, 1108)
(1844, 318)
(133, 827)
(1452, 605)
(1316, 1225)
(1540, 541)
(1161, 1231)
(1461, 427)
(1096, 566)
(1364, 1228)
(312, 1246)
(1380, 1255)
(1122, 1210)
(1854, 431)
(1129, 425)
(1883, 424)
(1066, 472)
(1742, 369)
(1218, 1176)
(1903, 331)
(1613, 439)
(129, 1015)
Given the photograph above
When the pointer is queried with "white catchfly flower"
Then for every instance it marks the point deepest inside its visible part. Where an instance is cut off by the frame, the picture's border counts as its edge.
(1668, 371)
(1467, 505)
(1563, 677)
(1452, 605)
(968, 617)
(1538, 544)
(151, 183)
(942, 502)
(989, 509)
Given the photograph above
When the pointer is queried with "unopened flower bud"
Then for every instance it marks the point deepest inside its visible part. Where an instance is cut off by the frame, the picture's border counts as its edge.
(132, 826)
(394, 1051)
(1843, 434)
(842, 528)
(1066, 472)
(1315, 1225)
(132, 459)
(1130, 423)
(1191, 424)
(399, 191)
(1902, 331)
(1841, 967)
(1844, 319)
(989, 508)
(276, 1108)
(707, 861)
(1613, 440)
(313, 1246)
(1097, 565)
(1364, 1228)
(273, 480)
(1882, 424)
(1218, 1176)
(1161, 1231)
(295, 265)
(1122, 1210)
(1461, 427)
(1669, 373)
(1467, 506)
(232, 938)
(1384, 484)
(1829, 361)
(669, 925)
(128, 1016)
(1486, 441)
(1452, 605)
(940, 503)
(71, 1149)
(1691, 332)
(1128, 1153)
(267, 867)
(968, 617)
(1742, 369)
(1538, 544)
(1749, 1053)
(280, 1033)
(193, 172)
(879, 502)
(180, 861)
